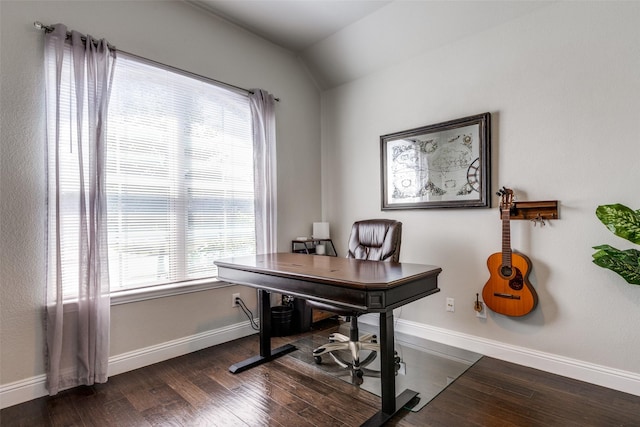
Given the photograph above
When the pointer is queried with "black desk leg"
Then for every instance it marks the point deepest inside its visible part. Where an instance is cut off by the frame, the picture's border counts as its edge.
(264, 314)
(390, 403)
(266, 354)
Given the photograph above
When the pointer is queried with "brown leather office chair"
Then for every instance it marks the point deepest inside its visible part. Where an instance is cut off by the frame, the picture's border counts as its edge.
(373, 240)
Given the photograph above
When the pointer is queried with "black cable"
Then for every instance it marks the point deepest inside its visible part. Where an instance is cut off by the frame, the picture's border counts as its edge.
(248, 313)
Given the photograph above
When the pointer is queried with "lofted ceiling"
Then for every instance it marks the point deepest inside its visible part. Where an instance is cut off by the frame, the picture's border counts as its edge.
(294, 25)
(343, 40)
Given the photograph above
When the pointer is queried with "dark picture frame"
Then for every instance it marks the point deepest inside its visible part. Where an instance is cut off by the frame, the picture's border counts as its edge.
(445, 165)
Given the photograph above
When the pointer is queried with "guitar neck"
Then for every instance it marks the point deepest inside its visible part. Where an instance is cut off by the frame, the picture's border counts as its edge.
(506, 237)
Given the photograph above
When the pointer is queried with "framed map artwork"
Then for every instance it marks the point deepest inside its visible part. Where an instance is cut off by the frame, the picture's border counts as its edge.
(445, 165)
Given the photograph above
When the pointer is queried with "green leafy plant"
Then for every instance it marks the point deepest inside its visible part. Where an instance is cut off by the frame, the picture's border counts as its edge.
(623, 222)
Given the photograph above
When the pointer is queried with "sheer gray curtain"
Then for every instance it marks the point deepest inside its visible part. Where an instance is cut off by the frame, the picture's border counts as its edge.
(78, 82)
(264, 160)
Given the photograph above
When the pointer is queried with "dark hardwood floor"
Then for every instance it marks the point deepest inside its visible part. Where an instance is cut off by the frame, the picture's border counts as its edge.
(197, 390)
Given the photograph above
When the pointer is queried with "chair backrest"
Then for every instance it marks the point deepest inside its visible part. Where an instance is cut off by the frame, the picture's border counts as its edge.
(375, 240)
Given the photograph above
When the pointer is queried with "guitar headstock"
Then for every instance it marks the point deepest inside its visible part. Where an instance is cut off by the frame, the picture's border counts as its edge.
(506, 198)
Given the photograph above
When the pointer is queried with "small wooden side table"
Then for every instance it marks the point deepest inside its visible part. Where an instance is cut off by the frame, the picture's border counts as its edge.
(308, 246)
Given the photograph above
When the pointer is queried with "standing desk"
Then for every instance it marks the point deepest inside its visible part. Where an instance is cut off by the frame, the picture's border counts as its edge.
(367, 286)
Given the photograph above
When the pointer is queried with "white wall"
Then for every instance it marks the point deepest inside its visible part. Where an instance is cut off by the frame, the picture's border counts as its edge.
(173, 33)
(563, 87)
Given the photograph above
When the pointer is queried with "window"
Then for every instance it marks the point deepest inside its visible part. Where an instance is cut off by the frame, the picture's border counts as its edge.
(179, 176)
(180, 184)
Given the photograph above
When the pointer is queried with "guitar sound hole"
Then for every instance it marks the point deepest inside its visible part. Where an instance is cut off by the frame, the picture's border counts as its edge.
(506, 271)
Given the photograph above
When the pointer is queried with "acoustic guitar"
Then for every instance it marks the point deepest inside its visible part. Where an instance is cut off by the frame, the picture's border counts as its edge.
(508, 290)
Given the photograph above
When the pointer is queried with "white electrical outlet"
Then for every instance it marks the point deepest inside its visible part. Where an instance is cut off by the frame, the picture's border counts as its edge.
(451, 304)
(482, 313)
(402, 370)
(234, 302)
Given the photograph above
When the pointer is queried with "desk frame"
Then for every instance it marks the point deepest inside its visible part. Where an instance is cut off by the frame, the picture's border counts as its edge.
(381, 297)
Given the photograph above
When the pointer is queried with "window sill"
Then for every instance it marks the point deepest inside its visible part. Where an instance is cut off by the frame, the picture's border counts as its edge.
(143, 294)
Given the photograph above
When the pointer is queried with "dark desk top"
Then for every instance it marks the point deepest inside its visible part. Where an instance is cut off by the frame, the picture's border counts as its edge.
(344, 272)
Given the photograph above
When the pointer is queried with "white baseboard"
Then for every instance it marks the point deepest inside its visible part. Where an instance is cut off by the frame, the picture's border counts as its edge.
(616, 379)
(22, 391)
(628, 382)
(34, 387)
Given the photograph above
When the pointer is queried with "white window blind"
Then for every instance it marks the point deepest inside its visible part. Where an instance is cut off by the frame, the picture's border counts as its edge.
(179, 176)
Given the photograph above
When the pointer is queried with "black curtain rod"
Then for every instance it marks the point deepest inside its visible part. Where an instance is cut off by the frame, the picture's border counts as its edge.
(49, 29)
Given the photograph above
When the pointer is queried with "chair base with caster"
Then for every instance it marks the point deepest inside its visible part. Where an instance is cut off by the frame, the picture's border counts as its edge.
(353, 344)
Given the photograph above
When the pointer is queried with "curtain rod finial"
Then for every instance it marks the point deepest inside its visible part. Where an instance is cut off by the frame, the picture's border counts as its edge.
(39, 25)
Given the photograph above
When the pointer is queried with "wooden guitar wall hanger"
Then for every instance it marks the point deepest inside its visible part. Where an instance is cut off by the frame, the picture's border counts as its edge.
(536, 212)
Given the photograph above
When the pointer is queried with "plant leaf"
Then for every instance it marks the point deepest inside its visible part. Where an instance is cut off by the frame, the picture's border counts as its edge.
(626, 263)
(621, 221)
